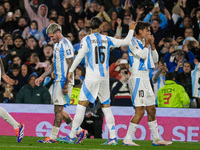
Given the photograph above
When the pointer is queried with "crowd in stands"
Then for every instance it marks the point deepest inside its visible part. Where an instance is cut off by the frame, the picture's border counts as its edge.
(26, 49)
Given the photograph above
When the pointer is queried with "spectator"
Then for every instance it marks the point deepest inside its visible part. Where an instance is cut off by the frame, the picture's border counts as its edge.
(158, 78)
(8, 45)
(33, 94)
(18, 46)
(33, 30)
(2, 14)
(40, 17)
(178, 56)
(156, 14)
(115, 67)
(81, 35)
(172, 94)
(8, 95)
(120, 93)
(24, 74)
(22, 24)
(93, 120)
(35, 64)
(195, 21)
(194, 46)
(32, 46)
(48, 53)
(185, 79)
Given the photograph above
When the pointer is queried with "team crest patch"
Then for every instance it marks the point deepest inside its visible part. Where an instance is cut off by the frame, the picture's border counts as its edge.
(56, 101)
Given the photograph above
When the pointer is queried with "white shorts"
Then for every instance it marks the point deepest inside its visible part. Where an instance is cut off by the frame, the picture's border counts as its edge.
(57, 95)
(141, 92)
(91, 89)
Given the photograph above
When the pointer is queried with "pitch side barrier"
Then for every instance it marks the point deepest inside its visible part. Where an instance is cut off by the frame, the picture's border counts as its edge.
(176, 124)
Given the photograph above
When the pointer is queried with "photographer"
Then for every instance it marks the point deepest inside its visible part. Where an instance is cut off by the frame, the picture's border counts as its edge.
(120, 91)
(177, 54)
(193, 46)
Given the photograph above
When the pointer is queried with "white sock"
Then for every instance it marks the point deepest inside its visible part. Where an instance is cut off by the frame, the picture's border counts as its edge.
(79, 129)
(70, 124)
(78, 119)
(153, 126)
(131, 131)
(54, 132)
(110, 121)
(8, 118)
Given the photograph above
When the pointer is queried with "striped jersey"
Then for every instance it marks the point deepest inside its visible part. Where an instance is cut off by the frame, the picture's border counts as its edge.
(96, 49)
(62, 50)
(141, 59)
(196, 81)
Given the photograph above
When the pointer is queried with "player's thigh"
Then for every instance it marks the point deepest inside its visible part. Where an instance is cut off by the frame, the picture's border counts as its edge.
(104, 92)
(89, 91)
(57, 95)
(149, 94)
(137, 91)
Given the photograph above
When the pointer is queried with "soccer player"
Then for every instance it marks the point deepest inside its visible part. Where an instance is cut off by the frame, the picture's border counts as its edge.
(95, 47)
(142, 56)
(63, 58)
(18, 127)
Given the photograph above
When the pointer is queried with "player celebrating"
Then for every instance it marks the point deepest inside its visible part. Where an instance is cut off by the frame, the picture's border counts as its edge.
(18, 127)
(95, 47)
(142, 56)
(63, 58)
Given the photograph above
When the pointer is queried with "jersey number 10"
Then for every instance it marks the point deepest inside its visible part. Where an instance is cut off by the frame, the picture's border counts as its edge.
(99, 55)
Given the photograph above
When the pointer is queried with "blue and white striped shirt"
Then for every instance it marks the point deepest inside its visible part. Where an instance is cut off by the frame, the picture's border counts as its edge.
(62, 50)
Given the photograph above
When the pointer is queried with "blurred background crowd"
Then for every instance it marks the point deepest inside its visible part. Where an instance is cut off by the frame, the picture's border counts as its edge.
(27, 51)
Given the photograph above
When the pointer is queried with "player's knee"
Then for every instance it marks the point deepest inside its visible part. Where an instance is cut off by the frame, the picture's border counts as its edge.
(58, 109)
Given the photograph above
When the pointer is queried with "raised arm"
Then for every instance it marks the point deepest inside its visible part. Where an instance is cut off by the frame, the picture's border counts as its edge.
(29, 10)
(126, 41)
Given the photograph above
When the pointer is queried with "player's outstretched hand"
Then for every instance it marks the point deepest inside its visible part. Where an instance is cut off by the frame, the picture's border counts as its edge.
(70, 76)
(39, 80)
(132, 25)
(8, 79)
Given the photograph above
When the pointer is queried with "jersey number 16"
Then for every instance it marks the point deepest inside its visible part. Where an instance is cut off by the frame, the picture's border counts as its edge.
(99, 54)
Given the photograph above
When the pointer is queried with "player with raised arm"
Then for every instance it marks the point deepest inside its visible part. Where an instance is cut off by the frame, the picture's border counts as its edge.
(63, 59)
(142, 56)
(96, 49)
(18, 127)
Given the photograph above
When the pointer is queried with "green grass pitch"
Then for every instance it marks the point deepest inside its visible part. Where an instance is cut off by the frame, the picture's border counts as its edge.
(30, 143)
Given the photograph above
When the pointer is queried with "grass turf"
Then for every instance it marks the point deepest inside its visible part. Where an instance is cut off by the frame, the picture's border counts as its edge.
(30, 143)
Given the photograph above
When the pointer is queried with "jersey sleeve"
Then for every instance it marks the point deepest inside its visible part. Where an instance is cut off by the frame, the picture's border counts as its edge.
(120, 42)
(69, 50)
(81, 53)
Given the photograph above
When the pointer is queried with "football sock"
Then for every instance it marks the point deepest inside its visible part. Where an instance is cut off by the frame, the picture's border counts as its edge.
(78, 119)
(153, 126)
(54, 133)
(110, 121)
(131, 131)
(79, 129)
(8, 118)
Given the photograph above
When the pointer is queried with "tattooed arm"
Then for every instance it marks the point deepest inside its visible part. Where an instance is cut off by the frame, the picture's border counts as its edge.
(46, 73)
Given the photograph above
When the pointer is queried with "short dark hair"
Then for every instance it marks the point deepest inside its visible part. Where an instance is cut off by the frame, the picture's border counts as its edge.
(14, 66)
(170, 76)
(95, 22)
(141, 26)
